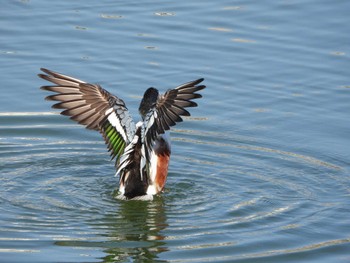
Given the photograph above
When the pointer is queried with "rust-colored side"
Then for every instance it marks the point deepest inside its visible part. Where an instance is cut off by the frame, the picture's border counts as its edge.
(162, 170)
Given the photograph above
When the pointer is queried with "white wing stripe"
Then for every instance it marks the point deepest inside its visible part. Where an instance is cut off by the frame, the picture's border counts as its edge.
(108, 111)
(113, 119)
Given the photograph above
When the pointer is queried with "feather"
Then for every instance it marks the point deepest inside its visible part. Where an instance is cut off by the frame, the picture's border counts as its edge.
(92, 106)
(167, 111)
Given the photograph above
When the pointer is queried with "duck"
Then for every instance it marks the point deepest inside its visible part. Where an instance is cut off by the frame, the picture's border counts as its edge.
(141, 150)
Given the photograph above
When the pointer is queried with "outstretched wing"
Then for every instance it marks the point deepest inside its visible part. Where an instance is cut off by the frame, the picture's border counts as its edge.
(168, 111)
(92, 106)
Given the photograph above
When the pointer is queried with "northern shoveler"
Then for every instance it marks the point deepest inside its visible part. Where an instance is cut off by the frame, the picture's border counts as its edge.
(142, 150)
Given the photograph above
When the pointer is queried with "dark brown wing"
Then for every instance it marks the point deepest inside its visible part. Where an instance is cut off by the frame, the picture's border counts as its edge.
(169, 109)
(92, 106)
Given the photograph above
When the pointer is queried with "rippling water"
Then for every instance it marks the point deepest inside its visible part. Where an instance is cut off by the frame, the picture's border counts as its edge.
(259, 173)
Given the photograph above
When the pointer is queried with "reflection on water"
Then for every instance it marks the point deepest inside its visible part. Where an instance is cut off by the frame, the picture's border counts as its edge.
(141, 222)
(132, 233)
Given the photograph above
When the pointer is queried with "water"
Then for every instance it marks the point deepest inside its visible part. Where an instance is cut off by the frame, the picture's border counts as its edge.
(259, 173)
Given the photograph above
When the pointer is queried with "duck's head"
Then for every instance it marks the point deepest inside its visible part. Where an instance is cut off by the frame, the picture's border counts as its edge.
(148, 101)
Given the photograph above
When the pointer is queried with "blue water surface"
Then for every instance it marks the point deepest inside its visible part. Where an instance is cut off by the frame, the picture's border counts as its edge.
(259, 172)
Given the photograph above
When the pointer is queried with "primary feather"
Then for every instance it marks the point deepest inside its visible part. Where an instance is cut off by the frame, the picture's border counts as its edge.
(94, 107)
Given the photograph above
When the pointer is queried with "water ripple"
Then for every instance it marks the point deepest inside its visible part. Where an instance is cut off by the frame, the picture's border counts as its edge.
(216, 203)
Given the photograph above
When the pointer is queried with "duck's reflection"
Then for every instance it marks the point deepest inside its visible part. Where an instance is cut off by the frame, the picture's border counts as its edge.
(136, 227)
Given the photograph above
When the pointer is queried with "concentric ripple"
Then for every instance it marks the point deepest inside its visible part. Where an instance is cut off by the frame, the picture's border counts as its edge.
(249, 197)
(244, 202)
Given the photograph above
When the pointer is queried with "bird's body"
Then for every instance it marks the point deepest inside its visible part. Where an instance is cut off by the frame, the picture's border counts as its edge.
(142, 150)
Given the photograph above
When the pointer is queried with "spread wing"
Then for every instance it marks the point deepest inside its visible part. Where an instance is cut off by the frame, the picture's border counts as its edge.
(92, 106)
(168, 111)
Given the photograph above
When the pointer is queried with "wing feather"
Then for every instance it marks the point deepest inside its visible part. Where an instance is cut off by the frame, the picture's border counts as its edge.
(185, 103)
(65, 97)
(68, 104)
(60, 89)
(92, 106)
(76, 110)
(168, 111)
